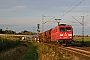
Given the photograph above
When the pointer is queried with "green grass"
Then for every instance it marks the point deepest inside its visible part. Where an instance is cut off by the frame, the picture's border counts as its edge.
(14, 53)
(31, 54)
(7, 43)
(79, 40)
(46, 53)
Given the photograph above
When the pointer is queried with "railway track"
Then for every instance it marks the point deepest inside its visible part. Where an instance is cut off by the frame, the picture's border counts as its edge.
(73, 50)
(77, 51)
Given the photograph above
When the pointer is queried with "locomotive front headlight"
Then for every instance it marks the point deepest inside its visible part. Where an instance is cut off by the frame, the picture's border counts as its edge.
(69, 34)
(61, 34)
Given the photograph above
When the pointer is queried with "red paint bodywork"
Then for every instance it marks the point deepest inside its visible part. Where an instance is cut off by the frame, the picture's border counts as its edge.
(56, 34)
(59, 33)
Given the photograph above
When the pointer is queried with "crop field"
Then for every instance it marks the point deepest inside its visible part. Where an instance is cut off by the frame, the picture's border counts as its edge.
(80, 38)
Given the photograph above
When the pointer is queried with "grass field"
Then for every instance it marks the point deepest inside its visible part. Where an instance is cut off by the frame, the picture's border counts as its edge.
(85, 42)
(31, 54)
(6, 44)
(80, 38)
(39, 51)
(31, 50)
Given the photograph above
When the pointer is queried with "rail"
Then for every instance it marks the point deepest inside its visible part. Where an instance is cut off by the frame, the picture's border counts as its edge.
(75, 51)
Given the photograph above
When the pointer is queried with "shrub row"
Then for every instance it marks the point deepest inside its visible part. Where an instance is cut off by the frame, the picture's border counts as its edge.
(6, 44)
(46, 53)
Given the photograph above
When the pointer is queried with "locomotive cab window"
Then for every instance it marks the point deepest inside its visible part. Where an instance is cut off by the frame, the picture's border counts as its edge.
(68, 29)
(62, 29)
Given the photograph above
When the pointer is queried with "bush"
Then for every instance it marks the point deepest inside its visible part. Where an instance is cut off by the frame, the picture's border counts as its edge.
(6, 44)
(46, 53)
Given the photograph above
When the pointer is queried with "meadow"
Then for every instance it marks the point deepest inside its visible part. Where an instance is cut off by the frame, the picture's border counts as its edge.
(39, 51)
(7, 42)
(31, 50)
(85, 41)
(80, 38)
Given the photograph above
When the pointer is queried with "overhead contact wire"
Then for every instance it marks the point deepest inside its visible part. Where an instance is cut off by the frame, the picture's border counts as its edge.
(74, 7)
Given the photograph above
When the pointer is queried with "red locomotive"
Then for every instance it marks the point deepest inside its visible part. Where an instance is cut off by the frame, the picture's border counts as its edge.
(62, 34)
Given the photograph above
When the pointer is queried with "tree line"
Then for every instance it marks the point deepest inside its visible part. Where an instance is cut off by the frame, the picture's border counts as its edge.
(25, 32)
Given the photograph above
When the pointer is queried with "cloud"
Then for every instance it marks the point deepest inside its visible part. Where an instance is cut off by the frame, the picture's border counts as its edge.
(5, 10)
(13, 8)
(20, 7)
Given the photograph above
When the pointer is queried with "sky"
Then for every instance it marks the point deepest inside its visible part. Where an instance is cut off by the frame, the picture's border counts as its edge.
(20, 15)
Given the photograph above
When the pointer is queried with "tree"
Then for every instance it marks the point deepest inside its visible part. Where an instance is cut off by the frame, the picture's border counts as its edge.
(25, 32)
(10, 32)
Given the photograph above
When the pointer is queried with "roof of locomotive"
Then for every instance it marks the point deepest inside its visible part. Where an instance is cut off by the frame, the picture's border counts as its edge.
(61, 25)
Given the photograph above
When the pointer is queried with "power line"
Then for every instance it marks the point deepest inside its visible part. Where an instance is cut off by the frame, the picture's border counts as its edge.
(49, 20)
(73, 7)
(70, 5)
(68, 8)
(77, 20)
(63, 12)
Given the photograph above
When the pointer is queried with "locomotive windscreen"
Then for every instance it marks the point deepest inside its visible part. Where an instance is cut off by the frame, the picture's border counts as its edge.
(67, 29)
(62, 29)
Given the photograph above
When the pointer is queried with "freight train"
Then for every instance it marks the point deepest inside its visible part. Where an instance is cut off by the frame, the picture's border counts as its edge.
(62, 34)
